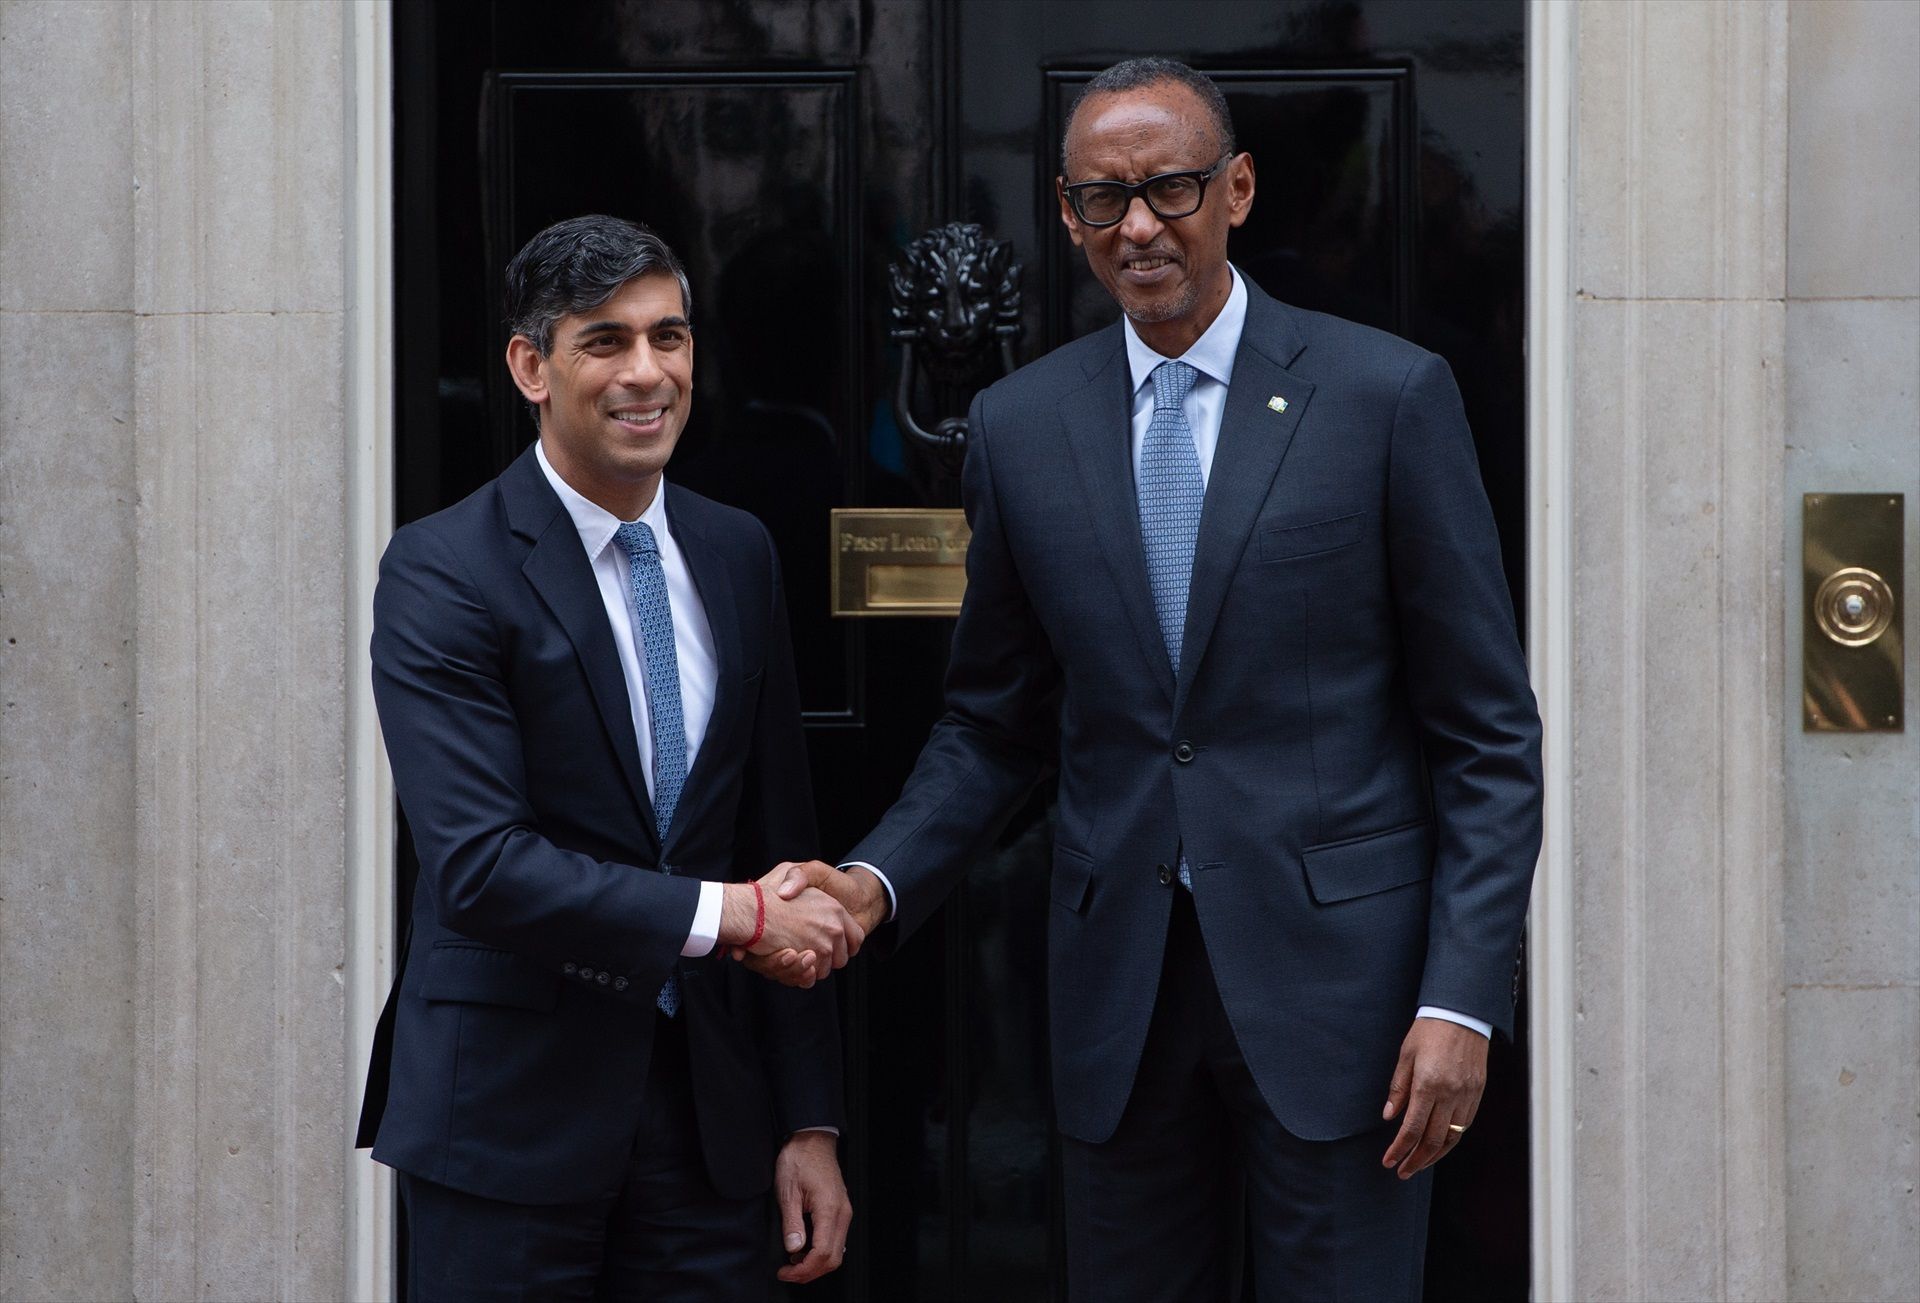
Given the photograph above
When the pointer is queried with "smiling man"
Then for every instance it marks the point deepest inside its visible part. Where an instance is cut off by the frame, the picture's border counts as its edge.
(1235, 560)
(586, 685)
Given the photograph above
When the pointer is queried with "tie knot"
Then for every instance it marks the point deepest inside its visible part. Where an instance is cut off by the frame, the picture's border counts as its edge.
(1172, 381)
(638, 539)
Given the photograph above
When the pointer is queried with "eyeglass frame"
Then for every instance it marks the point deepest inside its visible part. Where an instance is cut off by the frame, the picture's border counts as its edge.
(1138, 190)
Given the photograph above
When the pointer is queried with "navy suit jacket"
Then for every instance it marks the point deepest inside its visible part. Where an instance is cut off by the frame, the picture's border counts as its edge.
(514, 1052)
(1349, 756)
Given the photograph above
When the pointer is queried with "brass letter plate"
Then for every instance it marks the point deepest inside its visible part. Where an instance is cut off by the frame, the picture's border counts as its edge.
(899, 560)
(1853, 678)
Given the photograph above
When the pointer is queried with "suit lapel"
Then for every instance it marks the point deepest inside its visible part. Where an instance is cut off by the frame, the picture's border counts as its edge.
(560, 573)
(1254, 438)
(1099, 423)
(709, 571)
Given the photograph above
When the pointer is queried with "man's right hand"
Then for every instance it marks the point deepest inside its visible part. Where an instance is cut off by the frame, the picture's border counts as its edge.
(857, 890)
(807, 935)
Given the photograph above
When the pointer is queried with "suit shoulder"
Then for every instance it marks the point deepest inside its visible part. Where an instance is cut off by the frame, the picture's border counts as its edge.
(1045, 378)
(703, 512)
(456, 528)
(737, 532)
(1356, 345)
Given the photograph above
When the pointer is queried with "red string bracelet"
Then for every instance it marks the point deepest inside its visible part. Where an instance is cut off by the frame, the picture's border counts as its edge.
(759, 917)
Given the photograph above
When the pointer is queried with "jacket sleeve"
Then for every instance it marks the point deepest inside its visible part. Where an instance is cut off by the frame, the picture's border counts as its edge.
(441, 686)
(800, 1041)
(1000, 726)
(1467, 682)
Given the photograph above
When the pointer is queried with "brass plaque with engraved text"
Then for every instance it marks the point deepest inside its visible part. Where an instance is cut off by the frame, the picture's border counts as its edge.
(899, 560)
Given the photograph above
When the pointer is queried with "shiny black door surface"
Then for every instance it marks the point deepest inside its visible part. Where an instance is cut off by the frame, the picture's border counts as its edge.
(788, 150)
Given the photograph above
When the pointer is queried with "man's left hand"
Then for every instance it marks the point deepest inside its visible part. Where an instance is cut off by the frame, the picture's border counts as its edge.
(1437, 1083)
(806, 1178)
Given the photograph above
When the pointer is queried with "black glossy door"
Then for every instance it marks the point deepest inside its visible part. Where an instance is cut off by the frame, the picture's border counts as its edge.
(788, 150)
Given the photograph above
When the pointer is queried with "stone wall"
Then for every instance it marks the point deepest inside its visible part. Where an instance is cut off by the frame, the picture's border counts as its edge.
(1745, 328)
(1677, 337)
(172, 512)
(1852, 902)
(68, 929)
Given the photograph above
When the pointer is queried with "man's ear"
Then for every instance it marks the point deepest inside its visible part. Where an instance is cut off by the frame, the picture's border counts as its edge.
(528, 369)
(1239, 181)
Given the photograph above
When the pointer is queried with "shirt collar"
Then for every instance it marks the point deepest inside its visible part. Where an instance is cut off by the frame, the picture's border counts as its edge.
(596, 524)
(1211, 354)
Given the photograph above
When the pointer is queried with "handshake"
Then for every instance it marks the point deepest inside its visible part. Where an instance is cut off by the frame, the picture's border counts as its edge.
(803, 921)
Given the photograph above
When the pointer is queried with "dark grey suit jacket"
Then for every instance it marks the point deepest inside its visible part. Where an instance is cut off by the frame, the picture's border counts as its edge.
(513, 1054)
(1350, 755)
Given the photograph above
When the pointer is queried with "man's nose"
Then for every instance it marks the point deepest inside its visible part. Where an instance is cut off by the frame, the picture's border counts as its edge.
(1140, 225)
(640, 366)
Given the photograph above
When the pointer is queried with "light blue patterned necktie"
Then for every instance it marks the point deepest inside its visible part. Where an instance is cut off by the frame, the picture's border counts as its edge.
(1171, 493)
(647, 589)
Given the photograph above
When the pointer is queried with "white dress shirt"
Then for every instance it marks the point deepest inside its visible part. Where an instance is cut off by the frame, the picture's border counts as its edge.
(1211, 357)
(692, 646)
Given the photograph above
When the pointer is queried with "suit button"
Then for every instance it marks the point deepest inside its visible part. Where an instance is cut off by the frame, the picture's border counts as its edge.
(586, 974)
(1165, 874)
(569, 968)
(619, 983)
(1183, 751)
(601, 977)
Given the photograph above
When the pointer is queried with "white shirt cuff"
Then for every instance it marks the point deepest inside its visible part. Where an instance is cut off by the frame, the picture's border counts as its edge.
(1448, 1015)
(706, 922)
(893, 904)
(832, 1131)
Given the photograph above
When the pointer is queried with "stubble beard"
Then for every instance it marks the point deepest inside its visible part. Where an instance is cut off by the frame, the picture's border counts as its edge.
(1154, 311)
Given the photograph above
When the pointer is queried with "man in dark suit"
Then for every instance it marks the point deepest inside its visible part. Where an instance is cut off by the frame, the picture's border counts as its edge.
(1235, 558)
(585, 680)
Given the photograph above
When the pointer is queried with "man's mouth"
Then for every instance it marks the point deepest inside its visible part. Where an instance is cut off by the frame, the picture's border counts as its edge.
(639, 419)
(1148, 268)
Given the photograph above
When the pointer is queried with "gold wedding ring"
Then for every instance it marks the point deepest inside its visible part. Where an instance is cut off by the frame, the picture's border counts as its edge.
(1456, 1128)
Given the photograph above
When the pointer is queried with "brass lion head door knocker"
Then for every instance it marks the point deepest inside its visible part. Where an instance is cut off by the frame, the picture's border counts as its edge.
(956, 315)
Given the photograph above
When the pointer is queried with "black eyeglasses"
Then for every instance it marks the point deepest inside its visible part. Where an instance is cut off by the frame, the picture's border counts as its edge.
(1170, 196)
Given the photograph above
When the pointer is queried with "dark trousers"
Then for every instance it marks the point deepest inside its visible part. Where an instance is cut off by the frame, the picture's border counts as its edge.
(1199, 1184)
(666, 1237)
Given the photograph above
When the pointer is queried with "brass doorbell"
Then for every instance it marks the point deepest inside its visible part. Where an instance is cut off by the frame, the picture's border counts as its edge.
(1853, 669)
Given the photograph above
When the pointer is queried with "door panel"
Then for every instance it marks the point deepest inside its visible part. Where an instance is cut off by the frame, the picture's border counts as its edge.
(788, 149)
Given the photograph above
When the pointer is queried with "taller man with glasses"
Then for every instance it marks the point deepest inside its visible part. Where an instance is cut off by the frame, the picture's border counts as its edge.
(1236, 559)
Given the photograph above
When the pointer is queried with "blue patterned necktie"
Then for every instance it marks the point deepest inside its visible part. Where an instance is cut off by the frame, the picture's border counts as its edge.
(1171, 493)
(647, 589)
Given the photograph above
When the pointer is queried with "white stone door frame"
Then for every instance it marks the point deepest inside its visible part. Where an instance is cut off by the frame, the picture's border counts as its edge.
(1551, 26)
(369, 814)
(368, 76)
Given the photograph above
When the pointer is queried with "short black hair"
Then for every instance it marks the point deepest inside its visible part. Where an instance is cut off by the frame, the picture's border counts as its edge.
(576, 265)
(1133, 74)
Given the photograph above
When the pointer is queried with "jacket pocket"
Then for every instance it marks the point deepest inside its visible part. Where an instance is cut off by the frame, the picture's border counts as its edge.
(1361, 866)
(1285, 542)
(1072, 878)
(470, 973)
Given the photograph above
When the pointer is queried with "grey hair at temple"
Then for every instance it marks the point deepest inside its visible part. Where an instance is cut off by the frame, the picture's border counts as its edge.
(1133, 74)
(576, 265)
